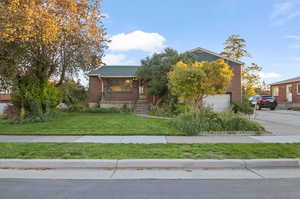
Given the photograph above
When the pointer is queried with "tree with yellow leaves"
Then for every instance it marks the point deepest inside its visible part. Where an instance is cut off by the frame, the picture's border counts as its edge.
(193, 82)
(43, 39)
(236, 48)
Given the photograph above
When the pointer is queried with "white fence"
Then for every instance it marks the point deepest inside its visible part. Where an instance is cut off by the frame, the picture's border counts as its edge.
(219, 103)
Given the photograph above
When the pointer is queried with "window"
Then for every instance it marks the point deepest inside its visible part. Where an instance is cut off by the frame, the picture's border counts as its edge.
(275, 91)
(3, 91)
(119, 85)
(298, 89)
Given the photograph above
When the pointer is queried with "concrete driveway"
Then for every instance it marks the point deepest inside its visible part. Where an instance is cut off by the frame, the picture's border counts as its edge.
(280, 122)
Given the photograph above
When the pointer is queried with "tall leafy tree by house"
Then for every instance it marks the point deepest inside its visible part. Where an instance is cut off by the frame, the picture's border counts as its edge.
(154, 72)
(263, 88)
(44, 39)
(236, 48)
(194, 81)
(251, 79)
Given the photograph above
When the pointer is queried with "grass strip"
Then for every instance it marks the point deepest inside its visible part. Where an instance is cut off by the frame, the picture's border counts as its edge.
(147, 151)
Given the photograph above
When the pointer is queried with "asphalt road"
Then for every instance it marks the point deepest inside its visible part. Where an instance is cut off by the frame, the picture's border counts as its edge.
(149, 189)
(280, 122)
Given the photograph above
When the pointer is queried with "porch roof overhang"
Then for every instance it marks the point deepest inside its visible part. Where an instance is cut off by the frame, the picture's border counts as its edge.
(115, 71)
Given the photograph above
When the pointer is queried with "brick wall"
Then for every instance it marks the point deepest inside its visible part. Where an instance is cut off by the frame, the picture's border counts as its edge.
(281, 98)
(235, 87)
(4, 98)
(95, 89)
(296, 97)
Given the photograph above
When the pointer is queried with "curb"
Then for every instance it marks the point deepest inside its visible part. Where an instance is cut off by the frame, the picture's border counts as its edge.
(56, 163)
(147, 164)
(180, 163)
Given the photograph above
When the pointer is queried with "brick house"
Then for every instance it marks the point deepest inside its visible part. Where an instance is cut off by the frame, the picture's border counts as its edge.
(4, 96)
(4, 100)
(287, 92)
(114, 86)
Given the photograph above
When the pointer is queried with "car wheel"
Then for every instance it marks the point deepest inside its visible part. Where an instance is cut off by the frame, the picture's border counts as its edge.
(272, 108)
(259, 108)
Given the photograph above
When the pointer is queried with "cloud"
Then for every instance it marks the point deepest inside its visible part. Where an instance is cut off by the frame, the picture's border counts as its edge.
(137, 40)
(293, 36)
(270, 75)
(295, 59)
(281, 8)
(116, 59)
(285, 11)
(294, 46)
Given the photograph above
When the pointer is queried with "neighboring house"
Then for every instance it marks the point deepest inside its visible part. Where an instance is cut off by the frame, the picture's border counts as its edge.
(4, 96)
(235, 89)
(114, 86)
(4, 100)
(287, 92)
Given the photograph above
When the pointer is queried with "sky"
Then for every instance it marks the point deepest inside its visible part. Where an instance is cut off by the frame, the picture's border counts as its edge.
(139, 28)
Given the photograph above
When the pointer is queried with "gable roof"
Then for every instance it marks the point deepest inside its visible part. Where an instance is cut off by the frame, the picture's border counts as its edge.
(206, 55)
(295, 79)
(114, 71)
(129, 71)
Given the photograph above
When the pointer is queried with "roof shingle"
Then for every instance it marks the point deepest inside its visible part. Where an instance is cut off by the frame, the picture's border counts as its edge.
(206, 55)
(295, 79)
(114, 71)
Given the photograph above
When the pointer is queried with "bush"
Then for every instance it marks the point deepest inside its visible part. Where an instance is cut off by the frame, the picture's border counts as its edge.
(101, 110)
(34, 118)
(11, 111)
(242, 107)
(34, 100)
(168, 111)
(295, 109)
(206, 120)
(160, 111)
(72, 92)
(83, 109)
(75, 108)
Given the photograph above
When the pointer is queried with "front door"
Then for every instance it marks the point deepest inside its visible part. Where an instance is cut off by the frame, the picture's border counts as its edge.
(142, 94)
(289, 93)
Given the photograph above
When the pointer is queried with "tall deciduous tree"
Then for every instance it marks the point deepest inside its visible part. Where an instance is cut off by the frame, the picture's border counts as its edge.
(236, 49)
(43, 39)
(197, 80)
(251, 79)
(154, 71)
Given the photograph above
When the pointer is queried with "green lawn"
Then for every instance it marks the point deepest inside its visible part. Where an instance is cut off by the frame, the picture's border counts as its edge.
(143, 151)
(92, 124)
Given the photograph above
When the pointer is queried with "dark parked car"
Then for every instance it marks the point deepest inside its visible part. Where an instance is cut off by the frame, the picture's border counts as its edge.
(264, 101)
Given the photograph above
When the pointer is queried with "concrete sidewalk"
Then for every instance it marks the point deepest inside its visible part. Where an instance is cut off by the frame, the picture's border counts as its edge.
(151, 139)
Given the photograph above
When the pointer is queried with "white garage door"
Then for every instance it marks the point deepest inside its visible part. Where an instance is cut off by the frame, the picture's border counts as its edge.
(219, 103)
